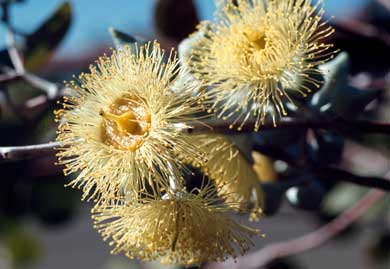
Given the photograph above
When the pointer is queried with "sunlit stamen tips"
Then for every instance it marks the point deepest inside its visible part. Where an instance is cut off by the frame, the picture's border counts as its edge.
(186, 228)
(234, 177)
(116, 124)
(257, 40)
(258, 53)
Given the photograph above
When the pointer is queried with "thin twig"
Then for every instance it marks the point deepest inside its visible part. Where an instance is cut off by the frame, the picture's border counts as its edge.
(27, 152)
(291, 123)
(328, 231)
(36, 102)
(53, 90)
(13, 52)
(335, 174)
(363, 30)
(331, 173)
(7, 77)
(308, 241)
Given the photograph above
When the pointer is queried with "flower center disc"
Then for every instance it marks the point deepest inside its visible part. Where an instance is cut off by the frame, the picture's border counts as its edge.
(255, 47)
(256, 39)
(126, 123)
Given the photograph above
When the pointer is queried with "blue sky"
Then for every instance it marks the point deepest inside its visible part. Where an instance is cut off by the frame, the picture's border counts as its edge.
(92, 18)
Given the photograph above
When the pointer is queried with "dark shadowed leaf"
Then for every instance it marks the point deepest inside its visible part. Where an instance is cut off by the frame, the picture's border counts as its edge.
(121, 39)
(51, 203)
(326, 147)
(4, 58)
(41, 43)
(175, 19)
(308, 196)
(273, 194)
(11, 1)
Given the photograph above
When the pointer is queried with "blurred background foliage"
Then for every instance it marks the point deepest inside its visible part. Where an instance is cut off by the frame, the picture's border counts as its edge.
(58, 39)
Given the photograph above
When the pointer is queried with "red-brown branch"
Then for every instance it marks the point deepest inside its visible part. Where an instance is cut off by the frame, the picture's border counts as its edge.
(325, 233)
(308, 241)
(291, 123)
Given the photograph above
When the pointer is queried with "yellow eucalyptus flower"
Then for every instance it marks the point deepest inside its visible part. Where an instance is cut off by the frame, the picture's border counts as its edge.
(257, 54)
(120, 127)
(181, 227)
(233, 175)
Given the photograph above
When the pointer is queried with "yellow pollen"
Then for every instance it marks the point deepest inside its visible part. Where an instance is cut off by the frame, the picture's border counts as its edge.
(125, 124)
(256, 39)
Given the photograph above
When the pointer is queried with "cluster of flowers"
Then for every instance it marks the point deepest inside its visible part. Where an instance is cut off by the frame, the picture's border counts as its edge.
(122, 129)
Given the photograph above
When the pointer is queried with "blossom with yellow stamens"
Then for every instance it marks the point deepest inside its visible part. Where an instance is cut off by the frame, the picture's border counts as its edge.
(120, 126)
(258, 54)
(179, 228)
(233, 175)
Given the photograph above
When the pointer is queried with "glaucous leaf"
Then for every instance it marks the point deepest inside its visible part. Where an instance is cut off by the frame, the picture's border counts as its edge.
(336, 97)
